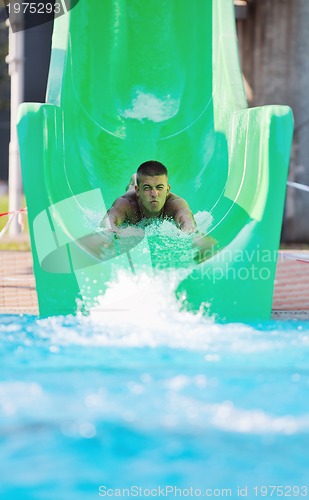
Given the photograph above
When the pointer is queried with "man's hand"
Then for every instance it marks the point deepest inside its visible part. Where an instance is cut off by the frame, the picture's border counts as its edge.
(107, 244)
(205, 246)
(101, 245)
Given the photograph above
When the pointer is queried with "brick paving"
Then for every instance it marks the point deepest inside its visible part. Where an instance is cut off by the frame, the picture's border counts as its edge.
(291, 295)
(17, 284)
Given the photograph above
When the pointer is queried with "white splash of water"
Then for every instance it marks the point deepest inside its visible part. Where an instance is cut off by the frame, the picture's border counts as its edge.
(203, 220)
(150, 107)
(229, 417)
(141, 301)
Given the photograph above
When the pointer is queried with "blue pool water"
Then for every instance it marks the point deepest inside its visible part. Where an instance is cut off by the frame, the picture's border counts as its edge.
(151, 397)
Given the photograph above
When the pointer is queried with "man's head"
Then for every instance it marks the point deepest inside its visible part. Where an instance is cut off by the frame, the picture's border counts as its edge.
(152, 187)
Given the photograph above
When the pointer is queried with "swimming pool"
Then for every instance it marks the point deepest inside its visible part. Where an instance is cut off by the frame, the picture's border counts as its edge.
(152, 398)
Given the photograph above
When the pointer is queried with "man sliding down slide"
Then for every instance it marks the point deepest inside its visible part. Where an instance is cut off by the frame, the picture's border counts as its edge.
(148, 196)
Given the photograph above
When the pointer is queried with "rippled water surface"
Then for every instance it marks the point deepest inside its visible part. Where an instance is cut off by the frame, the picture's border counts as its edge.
(148, 396)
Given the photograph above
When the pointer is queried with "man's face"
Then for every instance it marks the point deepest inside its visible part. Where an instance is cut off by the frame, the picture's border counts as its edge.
(152, 192)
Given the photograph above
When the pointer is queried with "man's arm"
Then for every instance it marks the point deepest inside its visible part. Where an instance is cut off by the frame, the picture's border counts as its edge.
(101, 244)
(183, 216)
(116, 215)
(205, 245)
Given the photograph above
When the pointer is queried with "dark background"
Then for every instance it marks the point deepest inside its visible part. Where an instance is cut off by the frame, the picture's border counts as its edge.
(37, 57)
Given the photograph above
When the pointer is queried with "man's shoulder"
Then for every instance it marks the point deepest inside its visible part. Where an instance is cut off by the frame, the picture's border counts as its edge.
(126, 199)
(173, 200)
(173, 197)
(126, 205)
(129, 198)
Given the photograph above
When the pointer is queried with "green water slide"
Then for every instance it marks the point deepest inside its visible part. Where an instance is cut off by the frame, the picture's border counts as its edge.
(130, 81)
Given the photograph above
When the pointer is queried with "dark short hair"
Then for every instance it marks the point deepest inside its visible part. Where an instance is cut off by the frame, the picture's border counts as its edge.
(152, 168)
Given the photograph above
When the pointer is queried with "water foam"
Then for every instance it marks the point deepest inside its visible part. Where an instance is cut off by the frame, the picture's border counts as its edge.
(142, 311)
(150, 107)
